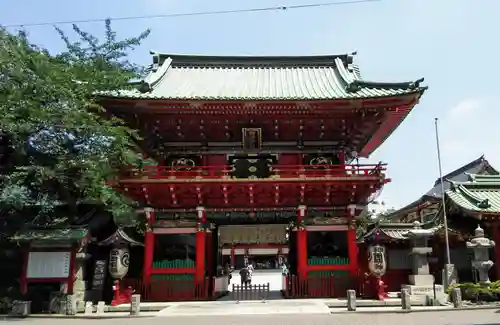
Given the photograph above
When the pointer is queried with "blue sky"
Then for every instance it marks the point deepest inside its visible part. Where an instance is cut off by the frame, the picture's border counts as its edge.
(452, 43)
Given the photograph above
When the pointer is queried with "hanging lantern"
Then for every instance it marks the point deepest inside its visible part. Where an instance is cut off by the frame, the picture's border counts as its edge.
(377, 262)
(119, 259)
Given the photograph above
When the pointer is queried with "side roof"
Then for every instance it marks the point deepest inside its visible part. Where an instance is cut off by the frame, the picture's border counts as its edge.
(394, 231)
(479, 193)
(478, 166)
(196, 77)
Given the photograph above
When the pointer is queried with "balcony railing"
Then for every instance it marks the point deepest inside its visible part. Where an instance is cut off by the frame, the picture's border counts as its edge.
(277, 171)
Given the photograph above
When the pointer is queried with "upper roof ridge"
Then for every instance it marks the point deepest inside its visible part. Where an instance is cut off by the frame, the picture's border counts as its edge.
(247, 60)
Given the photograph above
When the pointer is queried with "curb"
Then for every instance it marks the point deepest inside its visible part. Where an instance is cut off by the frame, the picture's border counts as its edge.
(80, 316)
(402, 311)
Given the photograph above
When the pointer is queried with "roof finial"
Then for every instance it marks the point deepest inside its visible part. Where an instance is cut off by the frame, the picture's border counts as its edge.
(479, 232)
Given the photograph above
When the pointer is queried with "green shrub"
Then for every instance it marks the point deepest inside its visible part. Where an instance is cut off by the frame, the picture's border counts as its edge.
(7, 296)
(478, 292)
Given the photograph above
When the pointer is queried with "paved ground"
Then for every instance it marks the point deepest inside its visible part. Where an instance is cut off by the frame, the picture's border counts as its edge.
(477, 317)
(275, 307)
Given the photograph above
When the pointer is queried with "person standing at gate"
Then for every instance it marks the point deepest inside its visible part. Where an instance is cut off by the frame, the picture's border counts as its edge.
(250, 272)
(245, 276)
(251, 268)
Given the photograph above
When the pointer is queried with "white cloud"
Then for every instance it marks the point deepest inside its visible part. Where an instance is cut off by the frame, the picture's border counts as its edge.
(465, 109)
(469, 130)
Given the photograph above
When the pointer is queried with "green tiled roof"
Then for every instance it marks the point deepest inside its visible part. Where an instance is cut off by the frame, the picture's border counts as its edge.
(51, 235)
(191, 77)
(480, 194)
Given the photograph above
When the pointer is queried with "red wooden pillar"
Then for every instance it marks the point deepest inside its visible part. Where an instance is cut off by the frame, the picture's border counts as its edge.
(301, 243)
(211, 257)
(23, 281)
(342, 158)
(149, 245)
(200, 244)
(72, 270)
(496, 239)
(351, 241)
(232, 256)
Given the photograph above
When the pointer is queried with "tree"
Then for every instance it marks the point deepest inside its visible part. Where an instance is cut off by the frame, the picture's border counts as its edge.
(62, 150)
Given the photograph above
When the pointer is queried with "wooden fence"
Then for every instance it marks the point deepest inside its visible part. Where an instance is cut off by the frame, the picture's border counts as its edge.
(170, 290)
(318, 286)
(250, 292)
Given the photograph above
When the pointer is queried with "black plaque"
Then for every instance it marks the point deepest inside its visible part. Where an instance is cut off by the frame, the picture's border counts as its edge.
(100, 270)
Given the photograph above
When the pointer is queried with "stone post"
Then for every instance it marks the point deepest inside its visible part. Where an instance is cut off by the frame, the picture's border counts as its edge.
(351, 300)
(71, 305)
(456, 297)
(135, 305)
(481, 246)
(100, 307)
(405, 299)
(89, 308)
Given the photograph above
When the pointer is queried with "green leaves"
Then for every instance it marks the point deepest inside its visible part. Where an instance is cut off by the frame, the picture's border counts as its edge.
(63, 149)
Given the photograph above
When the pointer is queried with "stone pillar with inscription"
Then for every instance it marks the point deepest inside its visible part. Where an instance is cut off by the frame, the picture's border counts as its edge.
(79, 285)
(421, 281)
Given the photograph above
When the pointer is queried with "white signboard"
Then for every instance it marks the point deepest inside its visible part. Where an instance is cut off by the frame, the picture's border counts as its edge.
(43, 265)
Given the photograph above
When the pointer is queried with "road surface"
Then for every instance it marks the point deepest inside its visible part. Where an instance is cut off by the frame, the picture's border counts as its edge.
(473, 317)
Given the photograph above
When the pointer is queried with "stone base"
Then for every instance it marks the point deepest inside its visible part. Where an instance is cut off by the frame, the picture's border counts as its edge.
(427, 290)
(421, 280)
(21, 308)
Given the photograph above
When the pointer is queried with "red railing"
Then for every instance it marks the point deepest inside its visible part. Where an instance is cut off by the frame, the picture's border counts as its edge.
(319, 286)
(170, 290)
(281, 171)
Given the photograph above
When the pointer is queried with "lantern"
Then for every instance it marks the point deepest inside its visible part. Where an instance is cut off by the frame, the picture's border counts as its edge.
(119, 259)
(377, 262)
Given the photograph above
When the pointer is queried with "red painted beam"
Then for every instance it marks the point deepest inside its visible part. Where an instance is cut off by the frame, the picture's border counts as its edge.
(150, 105)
